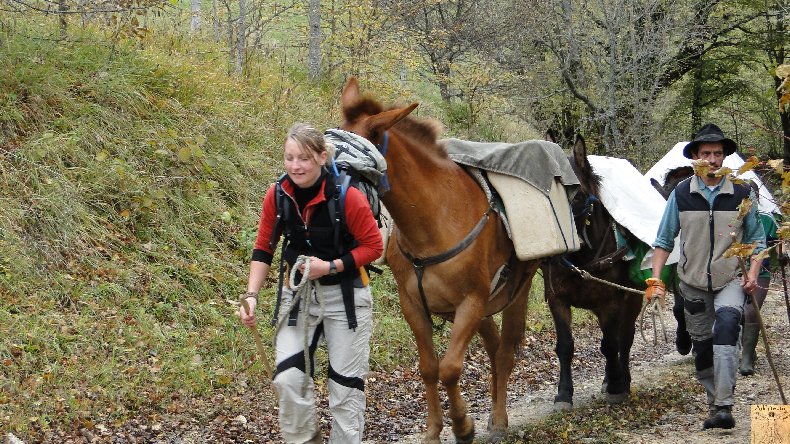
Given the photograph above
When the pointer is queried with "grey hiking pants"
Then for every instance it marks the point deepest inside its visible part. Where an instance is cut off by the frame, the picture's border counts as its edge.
(713, 320)
(348, 352)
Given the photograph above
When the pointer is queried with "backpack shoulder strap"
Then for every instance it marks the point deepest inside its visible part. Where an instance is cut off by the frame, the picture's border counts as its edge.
(282, 212)
(337, 207)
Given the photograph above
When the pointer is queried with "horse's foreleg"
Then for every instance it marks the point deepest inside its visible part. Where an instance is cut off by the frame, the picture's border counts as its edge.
(490, 333)
(614, 381)
(429, 367)
(561, 314)
(513, 322)
(466, 323)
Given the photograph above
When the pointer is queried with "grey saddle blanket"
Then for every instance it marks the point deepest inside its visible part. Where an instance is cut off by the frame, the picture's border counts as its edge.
(536, 162)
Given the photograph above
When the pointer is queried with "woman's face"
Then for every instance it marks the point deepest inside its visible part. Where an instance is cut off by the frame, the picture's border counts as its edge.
(302, 166)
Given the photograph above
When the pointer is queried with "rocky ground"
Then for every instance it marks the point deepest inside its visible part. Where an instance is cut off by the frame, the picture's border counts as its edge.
(396, 409)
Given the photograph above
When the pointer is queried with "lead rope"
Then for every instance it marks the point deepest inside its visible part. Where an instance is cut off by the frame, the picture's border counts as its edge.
(653, 308)
(302, 292)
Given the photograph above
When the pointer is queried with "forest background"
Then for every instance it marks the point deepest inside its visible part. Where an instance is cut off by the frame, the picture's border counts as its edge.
(137, 139)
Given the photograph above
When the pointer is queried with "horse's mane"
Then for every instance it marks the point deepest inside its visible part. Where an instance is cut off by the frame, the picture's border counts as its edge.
(424, 132)
(589, 180)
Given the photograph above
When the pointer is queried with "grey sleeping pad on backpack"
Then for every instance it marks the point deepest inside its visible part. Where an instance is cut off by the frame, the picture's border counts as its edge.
(357, 154)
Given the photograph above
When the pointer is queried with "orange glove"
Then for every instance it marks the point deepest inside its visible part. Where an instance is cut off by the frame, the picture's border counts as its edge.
(655, 288)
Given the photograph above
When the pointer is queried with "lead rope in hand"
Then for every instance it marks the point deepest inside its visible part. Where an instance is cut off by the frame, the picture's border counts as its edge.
(302, 292)
(653, 308)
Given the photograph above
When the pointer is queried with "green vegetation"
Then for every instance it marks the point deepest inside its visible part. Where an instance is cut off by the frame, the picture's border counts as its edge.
(130, 189)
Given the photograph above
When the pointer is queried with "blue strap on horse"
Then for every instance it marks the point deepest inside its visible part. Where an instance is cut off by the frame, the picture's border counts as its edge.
(384, 184)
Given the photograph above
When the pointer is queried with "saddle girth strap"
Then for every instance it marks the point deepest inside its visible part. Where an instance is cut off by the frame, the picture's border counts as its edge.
(419, 264)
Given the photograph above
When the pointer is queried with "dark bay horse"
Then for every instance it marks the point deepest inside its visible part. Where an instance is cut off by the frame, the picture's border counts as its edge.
(444, 253)
(616, 309)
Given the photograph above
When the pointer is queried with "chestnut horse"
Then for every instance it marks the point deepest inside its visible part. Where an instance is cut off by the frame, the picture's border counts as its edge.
(444, 254)
(616, 309)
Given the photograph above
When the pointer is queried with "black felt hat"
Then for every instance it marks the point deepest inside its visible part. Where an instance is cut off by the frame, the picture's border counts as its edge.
(709, 133)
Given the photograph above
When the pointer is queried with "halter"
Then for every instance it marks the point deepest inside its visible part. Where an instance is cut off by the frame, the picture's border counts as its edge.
(598, 262)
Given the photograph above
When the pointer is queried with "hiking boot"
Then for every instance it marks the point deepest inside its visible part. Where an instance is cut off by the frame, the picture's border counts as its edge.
(721, 419)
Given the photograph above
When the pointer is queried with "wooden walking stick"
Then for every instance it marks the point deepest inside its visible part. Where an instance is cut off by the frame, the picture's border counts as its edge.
(782, 263)
(267, 366)
(765, 335)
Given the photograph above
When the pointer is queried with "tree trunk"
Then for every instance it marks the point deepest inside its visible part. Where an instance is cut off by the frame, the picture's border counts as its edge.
(195, 23)
(314, 39)
(696, 98)
(779, 54)
(62, 8)
(215, 20)
(241, 37)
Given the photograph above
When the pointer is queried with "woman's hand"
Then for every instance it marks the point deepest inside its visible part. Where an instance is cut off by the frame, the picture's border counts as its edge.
(248, 319)
(318, 268)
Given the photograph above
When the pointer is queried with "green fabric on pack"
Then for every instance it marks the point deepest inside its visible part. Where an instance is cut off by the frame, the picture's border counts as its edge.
(638, 276)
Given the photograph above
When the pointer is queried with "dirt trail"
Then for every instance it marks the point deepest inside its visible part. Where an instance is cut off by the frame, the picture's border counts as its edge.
(649, 365)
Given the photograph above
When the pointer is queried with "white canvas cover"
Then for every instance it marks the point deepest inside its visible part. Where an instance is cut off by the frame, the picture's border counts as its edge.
(631, 200)
(675, 159)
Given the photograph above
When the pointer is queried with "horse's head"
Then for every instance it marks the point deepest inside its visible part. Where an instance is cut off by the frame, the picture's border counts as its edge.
(590, 183)
(593, 221)
(674, 177)
(365, 116)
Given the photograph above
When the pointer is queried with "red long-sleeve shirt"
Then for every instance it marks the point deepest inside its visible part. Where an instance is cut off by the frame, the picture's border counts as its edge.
(359, 220)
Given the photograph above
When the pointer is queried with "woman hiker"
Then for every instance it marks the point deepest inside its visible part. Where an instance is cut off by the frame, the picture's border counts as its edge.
(339, 308)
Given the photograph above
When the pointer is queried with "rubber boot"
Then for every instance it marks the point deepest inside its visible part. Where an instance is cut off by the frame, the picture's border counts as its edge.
(751, 333)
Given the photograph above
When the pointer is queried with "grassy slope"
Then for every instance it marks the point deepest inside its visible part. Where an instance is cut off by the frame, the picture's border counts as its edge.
(130, 185)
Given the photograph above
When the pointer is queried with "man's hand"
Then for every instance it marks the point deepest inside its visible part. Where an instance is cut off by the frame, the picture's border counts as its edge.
(655, 288)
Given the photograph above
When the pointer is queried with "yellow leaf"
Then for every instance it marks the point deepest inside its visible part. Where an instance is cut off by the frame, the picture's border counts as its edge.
(744, 208)
(701, 167)
(782, 71)
(777, 165)
(749, 165)
(124, 213)
(738, 249)
(723, 171)
(765, 253)
(102, 155)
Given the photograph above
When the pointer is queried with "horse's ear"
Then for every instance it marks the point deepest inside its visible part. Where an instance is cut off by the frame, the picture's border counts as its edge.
(350, 93)
(659, 188)
(387, 119)
(550, 135)
(580, 153)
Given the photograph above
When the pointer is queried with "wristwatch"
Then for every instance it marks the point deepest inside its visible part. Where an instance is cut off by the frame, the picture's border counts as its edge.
(332, 268)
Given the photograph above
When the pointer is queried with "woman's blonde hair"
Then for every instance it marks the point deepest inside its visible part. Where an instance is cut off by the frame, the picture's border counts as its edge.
(310, 139)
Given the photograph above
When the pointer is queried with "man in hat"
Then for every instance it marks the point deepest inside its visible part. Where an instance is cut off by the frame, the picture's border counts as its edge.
(704, 209)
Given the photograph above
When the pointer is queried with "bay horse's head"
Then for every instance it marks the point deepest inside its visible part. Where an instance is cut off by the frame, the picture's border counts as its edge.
(365, 116)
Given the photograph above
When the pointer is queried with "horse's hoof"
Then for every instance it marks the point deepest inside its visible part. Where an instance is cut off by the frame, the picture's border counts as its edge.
(430, 441)
(562, 406)
(497, 436)
(604, 387)
(616, 398)
(469, 438)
